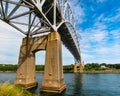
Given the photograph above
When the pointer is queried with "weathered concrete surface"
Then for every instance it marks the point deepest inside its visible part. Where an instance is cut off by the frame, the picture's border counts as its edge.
(53, 75)
(26, 66)
(75, 68)
(26, 74)
(78, 67)
(81, 67)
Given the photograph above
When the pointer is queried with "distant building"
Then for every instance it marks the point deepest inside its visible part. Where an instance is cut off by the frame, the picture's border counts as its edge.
(103, 66)
(3, 65)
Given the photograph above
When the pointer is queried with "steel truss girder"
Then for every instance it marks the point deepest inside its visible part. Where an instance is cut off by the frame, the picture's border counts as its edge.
(49, 14)
(10, 16)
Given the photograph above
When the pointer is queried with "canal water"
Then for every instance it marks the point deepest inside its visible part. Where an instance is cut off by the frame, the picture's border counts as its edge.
(79, 84)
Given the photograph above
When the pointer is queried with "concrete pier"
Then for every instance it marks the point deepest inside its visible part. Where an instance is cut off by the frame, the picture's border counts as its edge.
(26, 75)
(53, 80)
(78, 67)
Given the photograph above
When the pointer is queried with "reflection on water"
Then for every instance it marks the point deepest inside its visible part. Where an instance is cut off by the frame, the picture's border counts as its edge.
(52, 94)
(78, 84)
(39, 93)
(74, 88)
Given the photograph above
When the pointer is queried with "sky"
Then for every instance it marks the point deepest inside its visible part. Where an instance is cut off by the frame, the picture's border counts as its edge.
(98, 25)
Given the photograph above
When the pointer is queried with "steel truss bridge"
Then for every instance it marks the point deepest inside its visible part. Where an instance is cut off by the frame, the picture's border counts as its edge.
(40, 17)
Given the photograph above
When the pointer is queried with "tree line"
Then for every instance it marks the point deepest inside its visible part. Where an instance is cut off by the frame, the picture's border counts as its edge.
(66, 68)
(12, 67)
(102, 66)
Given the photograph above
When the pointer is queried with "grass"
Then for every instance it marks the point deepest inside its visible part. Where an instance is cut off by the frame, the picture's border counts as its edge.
(7, 89)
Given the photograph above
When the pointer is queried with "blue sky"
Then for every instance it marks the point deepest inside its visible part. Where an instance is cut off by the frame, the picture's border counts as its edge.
(98, 25)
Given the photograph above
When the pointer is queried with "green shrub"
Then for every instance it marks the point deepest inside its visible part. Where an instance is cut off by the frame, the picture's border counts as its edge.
(7, 89)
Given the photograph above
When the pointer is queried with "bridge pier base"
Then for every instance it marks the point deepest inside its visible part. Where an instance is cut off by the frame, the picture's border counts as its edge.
(26, 75)
(75, 68)
(81, 68)
(53, 80)
(78, 67)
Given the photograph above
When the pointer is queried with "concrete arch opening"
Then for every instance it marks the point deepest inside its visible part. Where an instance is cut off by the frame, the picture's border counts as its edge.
(40, 57)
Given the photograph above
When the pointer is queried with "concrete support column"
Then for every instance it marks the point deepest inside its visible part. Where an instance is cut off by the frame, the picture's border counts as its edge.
(53, 80)
(75, 68)
(26, 75)
(81, 68)
(78, 67)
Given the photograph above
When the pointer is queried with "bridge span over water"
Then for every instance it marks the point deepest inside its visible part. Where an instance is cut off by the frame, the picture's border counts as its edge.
(45, 23)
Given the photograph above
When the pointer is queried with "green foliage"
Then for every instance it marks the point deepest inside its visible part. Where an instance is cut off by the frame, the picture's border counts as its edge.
(97, 67)
(68, 68)
(93, 66)
(8, 67)
(114, 66)
(39, 67)
(7, 89)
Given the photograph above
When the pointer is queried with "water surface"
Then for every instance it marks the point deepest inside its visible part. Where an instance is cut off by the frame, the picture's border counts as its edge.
(79, 84)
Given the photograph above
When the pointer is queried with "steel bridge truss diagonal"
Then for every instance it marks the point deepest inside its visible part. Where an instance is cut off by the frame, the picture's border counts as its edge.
(33, 17)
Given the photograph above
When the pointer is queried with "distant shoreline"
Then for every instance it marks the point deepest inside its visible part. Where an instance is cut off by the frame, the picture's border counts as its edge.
(90, 71)
(104, 71)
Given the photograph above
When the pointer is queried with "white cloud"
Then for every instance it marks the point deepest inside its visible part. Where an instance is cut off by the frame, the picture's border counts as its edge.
(77, 10)
(112, 17)
(86, 55)
(98, 44)
(99, 35)
(101, 51)
(40, 57)
(10, 41)
(67, 56)
(109, 53)
(95, 44)
(116, 34)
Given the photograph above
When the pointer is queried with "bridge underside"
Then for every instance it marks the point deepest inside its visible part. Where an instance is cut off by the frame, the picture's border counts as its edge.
(39, 17)
(42, 17)
(65, 30)
(68, 42)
